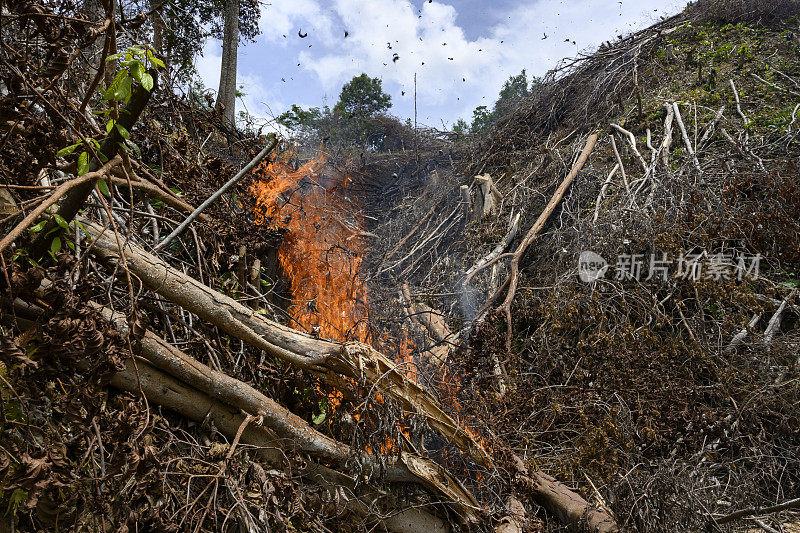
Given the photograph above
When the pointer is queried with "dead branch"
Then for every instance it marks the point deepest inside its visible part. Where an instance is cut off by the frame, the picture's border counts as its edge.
(494, 255)
(402, 241)
(328, 360)
(621, 167)
(632, 141)
(56, 195)
(775, 322)
(603, 190)
(162, 389)
(213, 198)
(513, 277)
(159, 194)
(740, 336)
(285, 425)
(685, 136)
(755, 511)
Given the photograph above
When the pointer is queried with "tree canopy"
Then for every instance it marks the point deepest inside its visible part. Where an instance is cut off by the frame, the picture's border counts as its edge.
(515, 89)
(362, 97)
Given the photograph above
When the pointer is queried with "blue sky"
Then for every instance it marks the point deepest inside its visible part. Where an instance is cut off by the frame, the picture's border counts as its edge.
(461, 50)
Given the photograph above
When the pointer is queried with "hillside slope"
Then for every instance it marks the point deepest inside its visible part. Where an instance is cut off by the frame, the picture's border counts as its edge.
(667, 389)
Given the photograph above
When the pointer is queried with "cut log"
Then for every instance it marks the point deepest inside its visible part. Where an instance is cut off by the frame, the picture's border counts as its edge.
(515, 521)
(328, 360)
(163, 389)
(569, 507)
(433, 321)
(287, 429)
(487, 197)
(466, 201)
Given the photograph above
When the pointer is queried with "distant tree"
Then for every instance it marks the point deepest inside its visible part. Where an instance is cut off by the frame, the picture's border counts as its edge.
(362, 98)
(297, 117)
(461, 127)
(482, 120)
(514, 90)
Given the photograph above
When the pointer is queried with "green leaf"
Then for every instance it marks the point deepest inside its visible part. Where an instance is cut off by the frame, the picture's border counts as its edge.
(157, 62)
(109, 125)
(60, 221)
(55, 246)
(124, 90)
(114, 56)
(103, 186)
(123, 131)
(64, 152)
(147, 82)
(83, 163)
(82, 228)
(323, 412)
(71, 245)
(135, 148)
(137, 70)
(113, 88)
(38, 227)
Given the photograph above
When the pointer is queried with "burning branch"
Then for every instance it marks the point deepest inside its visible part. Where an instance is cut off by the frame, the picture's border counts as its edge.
(332, 362)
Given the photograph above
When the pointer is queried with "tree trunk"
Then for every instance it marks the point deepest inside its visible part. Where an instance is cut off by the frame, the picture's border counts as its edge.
(226, 97)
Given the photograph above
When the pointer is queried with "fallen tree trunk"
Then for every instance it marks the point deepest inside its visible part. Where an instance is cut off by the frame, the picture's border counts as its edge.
(163, 389)
(326, 359)
(172, 379)
(570, 508)
(290, 428)
(433, 321)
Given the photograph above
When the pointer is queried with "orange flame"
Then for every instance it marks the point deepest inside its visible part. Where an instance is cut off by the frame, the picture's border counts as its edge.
(320, 255)
(322, 249)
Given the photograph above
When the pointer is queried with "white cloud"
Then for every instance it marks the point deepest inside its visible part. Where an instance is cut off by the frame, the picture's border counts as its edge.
(282, 17)
(454, 73)
(258, 99)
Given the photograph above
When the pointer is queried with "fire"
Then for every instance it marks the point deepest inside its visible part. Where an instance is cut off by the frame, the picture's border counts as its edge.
(320, 255)
(322, 247)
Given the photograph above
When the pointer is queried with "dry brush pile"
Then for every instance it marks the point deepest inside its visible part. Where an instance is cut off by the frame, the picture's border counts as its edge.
(670, 401)
(149, 377)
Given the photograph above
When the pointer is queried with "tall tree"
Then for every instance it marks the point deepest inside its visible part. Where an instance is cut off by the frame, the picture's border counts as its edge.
(226, 96)
(514, 90)
(362, 98)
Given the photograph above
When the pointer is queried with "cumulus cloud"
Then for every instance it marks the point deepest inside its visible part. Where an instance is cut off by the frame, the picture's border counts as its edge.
(283, 17)
(397, 39)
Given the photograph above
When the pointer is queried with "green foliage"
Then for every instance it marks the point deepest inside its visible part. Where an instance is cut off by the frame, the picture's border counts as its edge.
(482, 119)
(16, 500)
(297, 117)
(515, 90)
(362, 98)
(461, 127)
(135, 63)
